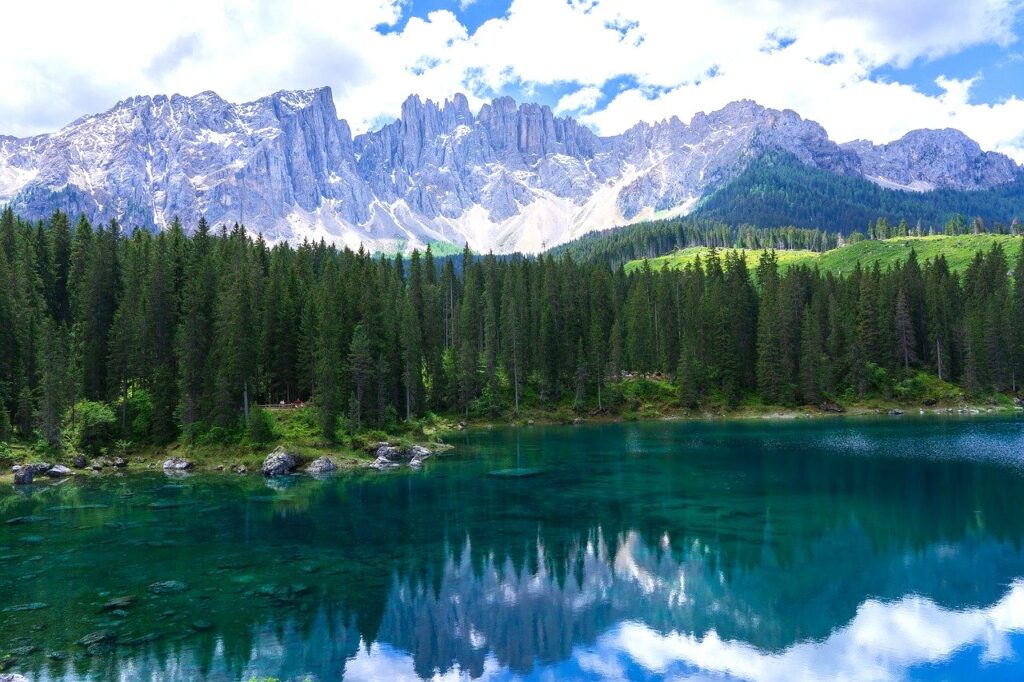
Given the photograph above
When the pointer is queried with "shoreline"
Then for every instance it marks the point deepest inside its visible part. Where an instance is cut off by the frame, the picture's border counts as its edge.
(228, 460)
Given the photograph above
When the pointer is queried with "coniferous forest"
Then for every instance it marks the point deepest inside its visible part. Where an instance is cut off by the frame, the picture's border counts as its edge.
(156, 337)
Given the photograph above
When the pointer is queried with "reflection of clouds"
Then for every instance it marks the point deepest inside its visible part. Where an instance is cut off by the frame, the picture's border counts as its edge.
(383, 662)
(882, 642)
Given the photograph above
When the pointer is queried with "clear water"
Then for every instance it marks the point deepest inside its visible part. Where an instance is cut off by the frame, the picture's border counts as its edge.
(833, 549)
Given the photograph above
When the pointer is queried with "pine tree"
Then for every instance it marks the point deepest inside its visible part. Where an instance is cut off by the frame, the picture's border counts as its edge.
(905, 337)
(360, 362)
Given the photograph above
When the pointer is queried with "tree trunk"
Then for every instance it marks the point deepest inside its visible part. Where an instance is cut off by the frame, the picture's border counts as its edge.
(245, 401)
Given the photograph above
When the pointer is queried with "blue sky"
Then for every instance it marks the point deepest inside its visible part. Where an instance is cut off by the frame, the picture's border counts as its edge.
(873, 69)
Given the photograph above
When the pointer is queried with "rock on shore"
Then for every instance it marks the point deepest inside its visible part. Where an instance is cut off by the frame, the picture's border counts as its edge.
(322, 466)
(279, 463)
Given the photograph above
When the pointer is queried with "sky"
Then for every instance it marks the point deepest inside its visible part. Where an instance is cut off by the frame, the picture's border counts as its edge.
(871, 69)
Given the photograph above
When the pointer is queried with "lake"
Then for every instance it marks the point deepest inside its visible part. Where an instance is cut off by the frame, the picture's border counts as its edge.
(858, 549)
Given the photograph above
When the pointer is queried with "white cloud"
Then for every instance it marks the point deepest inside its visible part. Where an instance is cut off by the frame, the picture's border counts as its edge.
(813, 56)
(584, 99)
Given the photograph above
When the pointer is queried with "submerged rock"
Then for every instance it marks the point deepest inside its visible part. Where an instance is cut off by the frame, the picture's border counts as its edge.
(518, 472)
(98, 637)
(279, 463)
(168, 587)
(31, 606)
(177, 464)
(321, 466)
(58, 471)
(118, 603)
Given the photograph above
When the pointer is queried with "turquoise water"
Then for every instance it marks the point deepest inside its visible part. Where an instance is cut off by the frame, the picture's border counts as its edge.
(889, 549)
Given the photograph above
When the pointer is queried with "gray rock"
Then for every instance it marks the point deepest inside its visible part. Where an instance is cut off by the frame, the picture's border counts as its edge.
(417, 455)
(38, 468)
(389, 452)
(12, 677)
(177, 464)
(382, 463)
(58, 471)
(23, 475)
(79, 462)
(279, 463)
(417, 452)
(119, 462)
(322, 466)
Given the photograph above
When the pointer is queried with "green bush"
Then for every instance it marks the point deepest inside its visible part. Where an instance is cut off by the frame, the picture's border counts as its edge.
(89, 426)
(139, 412)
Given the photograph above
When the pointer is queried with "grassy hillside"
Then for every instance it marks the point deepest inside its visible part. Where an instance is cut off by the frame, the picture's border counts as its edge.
(959, 252)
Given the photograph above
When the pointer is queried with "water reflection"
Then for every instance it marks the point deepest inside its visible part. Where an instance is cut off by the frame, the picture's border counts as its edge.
(611, 610)
(739, 557)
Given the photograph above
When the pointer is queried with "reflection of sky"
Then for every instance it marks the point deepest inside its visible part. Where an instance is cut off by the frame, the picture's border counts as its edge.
(909, 638)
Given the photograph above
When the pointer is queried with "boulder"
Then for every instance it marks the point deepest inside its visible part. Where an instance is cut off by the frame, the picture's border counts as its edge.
(372, 448)
(829, 406)
(22, 475)
(388, 452)
(120, 462)
(38, 468)
(279, 463)
(12, 677)
(322, 466)
(79, 462)
(58, 471)
(177, 464)
(382, 463)
(417, 452)
(240, 469)
(895, 412)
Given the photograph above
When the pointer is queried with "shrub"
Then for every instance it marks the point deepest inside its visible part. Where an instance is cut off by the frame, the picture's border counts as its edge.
(89, 425)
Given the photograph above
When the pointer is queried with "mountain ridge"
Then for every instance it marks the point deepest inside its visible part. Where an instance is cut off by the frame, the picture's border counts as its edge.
(511, 177)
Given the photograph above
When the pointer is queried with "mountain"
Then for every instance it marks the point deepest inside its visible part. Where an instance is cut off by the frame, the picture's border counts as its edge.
(508, 177)
(777, 190)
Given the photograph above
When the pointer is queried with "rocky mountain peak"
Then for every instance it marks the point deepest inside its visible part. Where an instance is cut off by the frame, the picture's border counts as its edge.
(510, 177)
